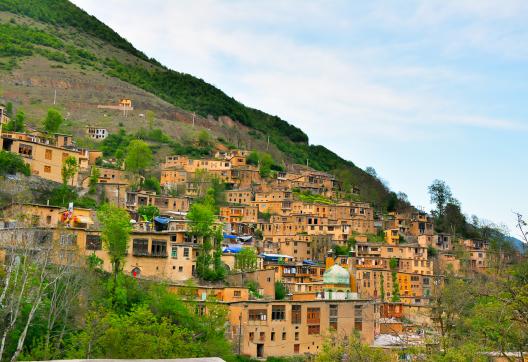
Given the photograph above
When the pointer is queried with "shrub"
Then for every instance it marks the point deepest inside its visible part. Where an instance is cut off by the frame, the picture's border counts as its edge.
(11, 163)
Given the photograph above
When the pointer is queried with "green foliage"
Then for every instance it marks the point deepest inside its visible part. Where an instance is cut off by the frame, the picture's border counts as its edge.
(154, 135)
(62, 195)
(280, 290)
(9, 109)
(86, 202)
(16, 124)
(138, 157)
(115, 144)
(335, 349)
(95, 173)
(246, 260)
(148, 212)
(341, 249)
(115, 233)
(152, 183)
(395, 287)
(70, 167)
(382, 287)
(205, 139)
(53, 120)
(307, 196)
(11, 163)
(253, 287)
(69, 15)
(431, 251)
(202, 224)
(264, 215)
(393, 264)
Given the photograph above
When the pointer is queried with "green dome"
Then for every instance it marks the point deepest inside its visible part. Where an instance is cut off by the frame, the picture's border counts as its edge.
(336, 275)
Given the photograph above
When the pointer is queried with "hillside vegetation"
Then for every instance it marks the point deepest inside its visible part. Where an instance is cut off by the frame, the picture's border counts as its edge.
(55, 31)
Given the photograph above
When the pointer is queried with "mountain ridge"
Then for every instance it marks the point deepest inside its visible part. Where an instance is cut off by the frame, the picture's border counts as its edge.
(55, 19)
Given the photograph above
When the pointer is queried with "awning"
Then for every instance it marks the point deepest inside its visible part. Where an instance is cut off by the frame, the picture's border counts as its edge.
(161, 220)
(245, 238)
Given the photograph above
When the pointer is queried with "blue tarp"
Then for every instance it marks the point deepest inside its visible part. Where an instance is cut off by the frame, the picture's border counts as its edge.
(227, 236)
(309, 262)
(232, 249)
(162, 220)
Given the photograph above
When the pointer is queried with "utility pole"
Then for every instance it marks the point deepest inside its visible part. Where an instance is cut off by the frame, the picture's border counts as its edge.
(267, 146)
(194, 115)
(55, 96)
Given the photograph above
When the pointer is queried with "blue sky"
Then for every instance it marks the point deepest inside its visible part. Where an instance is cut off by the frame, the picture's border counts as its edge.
(416, 89)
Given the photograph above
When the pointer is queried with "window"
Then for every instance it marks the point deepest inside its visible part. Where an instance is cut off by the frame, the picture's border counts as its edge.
(296, 314)
(237, 293)
(313, 315)
(68, 239)
(140, 247)
(48, 154)
(296, 336)
(283, 336)
(262, 336)
(159, 248)
(358, 317)
(258, 314)
(186, 252)
(180, 269)
(26, 150)
(296, 348)
(48, 219)
(314, 329)
(272, 336)
(93, 242)
(47, 169)
(277, 312)
(174, 251)
(333, 316)
(251, 336)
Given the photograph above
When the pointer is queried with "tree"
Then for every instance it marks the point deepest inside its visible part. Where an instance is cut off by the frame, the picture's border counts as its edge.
(17, 124)
(253, 158)
(115, 233)
(139, 157)
(204, 139)
(371, 171)
(53, 120)
(280, 290)
(150, 119)
(9, 109)
(11, 163)
(148, 212)
(246, 260)
(440, 194)
(202, 224)
(32, 287)
(351, 349)
(70, 167)
(393, 264)
(152, 183)
(95, 173)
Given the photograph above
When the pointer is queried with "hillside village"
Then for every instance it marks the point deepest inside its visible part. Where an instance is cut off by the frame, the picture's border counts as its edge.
(292, 253)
